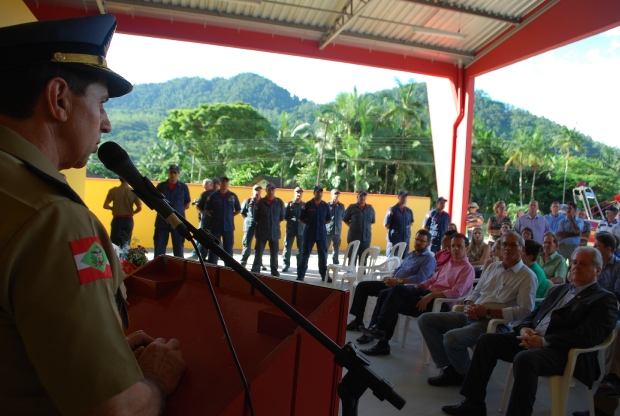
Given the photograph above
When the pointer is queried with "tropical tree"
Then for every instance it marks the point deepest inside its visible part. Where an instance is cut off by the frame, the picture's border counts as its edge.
(567, 141)
(518, 153)
(537, 156)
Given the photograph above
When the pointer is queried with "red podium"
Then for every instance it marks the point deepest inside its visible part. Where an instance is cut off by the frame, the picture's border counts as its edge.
(289, 373)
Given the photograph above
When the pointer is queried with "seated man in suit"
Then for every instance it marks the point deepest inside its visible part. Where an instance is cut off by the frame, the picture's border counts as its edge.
(580, 314)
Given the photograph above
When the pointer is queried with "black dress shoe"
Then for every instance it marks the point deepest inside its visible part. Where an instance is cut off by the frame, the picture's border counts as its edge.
(374, 332)
(364, 339)
(263, 268)
(613, 383)
(284, 269)
(466, 408)
(300, 279)
(353, 326)
(449, 377)
(329, 280)
(377, 349)
(275, 274)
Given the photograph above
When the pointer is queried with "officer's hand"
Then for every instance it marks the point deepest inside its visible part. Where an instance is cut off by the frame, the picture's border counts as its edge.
(138, 341)
(162, 363)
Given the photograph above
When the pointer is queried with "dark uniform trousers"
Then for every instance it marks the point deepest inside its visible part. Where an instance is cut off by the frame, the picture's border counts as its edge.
(248, 236)
(204, 224)
(288, 248)
(307, 246)
(161, 241)
(121, 231)
(334, 240)
(227, 238)
(274, 249)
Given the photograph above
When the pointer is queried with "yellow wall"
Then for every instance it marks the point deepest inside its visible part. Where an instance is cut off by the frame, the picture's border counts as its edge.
(97, 189)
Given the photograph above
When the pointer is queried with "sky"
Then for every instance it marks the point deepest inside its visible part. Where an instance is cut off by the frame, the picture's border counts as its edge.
(576, 85)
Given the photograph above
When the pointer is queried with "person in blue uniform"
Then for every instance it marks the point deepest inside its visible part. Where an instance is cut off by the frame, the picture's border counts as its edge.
(222, 207)
(268, 214)
(359, 217)
(436, 222)
(398, 221)
(294, 229)
(334, 228)
(205, 220)
(177, 193)
(315, 214)
(249, 225)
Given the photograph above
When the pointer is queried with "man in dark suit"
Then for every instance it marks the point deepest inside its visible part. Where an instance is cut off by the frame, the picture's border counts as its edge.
(580, 314)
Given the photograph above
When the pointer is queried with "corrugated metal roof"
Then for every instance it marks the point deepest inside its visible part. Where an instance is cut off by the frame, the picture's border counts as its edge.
(446, 30)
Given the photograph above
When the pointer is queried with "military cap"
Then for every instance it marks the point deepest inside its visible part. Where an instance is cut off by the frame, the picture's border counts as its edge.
(361, 192)
(224, 179)
(216, 180)
(271, 185)
(403, 193)
(174, 168)
(318, 188)
(80, 43)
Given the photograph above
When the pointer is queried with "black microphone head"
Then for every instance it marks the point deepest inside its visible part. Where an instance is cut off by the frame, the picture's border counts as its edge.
(112, 155)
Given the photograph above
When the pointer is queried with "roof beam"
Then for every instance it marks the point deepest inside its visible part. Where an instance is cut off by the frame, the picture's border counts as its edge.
(468, 56)
(466, 9)
(349, 12)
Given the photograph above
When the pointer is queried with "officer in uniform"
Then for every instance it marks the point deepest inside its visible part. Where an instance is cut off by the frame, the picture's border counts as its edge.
(62, 303)
(294, 229)
(268, 214)
(210, 186)
(123, 200)
(436, 222)
(398, 221)
(222, 207)
(609, 221)
(359, 217)
(249, 225)
(177, 193)
(315, 214)
(334, 228)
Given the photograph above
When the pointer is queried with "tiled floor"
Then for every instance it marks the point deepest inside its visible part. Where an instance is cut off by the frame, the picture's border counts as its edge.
(405, 370)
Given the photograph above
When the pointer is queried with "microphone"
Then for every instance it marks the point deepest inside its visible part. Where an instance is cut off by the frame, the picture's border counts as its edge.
(116, 159)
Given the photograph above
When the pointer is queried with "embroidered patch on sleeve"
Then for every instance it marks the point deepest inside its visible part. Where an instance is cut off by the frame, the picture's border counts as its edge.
(90, 259)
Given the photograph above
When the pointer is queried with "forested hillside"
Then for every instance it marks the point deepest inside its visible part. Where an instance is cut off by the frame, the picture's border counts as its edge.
(380, 142)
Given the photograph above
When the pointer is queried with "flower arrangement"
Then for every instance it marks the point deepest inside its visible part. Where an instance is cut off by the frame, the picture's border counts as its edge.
(133, 256)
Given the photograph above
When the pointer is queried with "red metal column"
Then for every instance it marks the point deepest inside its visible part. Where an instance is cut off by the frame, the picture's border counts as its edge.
(451, 105)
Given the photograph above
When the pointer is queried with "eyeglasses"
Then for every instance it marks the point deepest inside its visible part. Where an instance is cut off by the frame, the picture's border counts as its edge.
(510, 245)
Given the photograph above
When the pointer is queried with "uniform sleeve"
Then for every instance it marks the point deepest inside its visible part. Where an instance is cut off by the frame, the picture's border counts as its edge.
(186, 197)
(209, 203)
(282, 211)
(202, 201)
(302, 213)
(237, 205)
(244, 207)
(328, 215)
(71, 330)
(372, 221)
(388, 217)
(347, 214)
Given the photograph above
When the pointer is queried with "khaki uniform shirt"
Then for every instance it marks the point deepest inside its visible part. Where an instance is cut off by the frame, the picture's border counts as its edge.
(123, 200)
(62, 348)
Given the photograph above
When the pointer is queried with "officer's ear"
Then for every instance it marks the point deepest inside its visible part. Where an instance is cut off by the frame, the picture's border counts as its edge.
(57, 97)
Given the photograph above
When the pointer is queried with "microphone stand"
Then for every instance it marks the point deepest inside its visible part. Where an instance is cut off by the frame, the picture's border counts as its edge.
(359, 376)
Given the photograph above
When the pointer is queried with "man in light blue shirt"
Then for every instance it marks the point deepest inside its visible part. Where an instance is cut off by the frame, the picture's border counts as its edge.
(554, 217)
(569, 231)
(534, 221)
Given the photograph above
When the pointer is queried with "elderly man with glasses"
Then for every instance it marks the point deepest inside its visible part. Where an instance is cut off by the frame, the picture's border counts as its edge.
(506, 290)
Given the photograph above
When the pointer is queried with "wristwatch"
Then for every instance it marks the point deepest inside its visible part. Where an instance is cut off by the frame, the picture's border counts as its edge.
(489, 314)
(400, 280)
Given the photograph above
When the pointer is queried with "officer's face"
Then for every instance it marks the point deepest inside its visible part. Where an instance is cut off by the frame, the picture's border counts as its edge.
(318, 195)
(258, 192)
(583, 271)
(298, 195)
(335, 197)
(173, 176)
(271, 193)
(224, 186)
(86, 120)
(441, 205)
(402, 200)
(361, 199)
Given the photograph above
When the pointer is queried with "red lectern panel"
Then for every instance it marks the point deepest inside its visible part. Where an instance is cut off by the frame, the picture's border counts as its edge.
(288, 371)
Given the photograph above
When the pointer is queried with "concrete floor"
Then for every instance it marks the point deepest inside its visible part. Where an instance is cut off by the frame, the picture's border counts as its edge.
(405, 370)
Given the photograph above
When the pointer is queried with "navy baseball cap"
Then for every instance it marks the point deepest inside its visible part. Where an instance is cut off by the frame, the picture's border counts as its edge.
(174, 168)
(216, 180)
(401, 193)
(224, 178)
(318, 188)
(612, 209)
(361, 192)
(271, 185)
(80, 43)
(441, 199)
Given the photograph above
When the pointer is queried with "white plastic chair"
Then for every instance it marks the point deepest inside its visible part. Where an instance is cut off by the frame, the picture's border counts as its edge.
(436, 308)
(398, 251)
(368, 257)
(559, 385)
(348, 263)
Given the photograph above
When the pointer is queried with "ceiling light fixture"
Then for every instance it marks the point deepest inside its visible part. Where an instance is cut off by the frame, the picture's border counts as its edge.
(437, 32)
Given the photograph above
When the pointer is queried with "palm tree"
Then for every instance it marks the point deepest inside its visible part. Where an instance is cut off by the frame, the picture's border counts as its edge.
(566, 141)
(517, 153)
(537, 156)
